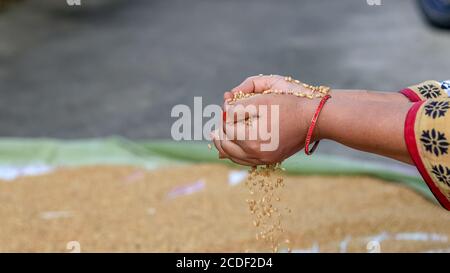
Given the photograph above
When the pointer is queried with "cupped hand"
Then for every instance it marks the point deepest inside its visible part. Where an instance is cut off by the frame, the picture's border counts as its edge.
(284, 117)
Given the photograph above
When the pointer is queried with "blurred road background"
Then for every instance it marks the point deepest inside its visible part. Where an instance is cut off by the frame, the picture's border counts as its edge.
(117, 67)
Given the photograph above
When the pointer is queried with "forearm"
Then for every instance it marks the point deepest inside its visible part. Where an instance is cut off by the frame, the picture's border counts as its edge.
(374, 124)
(366, 95)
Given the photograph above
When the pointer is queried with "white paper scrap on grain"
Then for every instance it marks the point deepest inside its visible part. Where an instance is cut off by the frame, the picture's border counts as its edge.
(385, 236)
(421, 236)
(187, 189)
(440, 250)
(408, 236)
(344, 244)
(9, 173)
(49, 215)
(236, 177)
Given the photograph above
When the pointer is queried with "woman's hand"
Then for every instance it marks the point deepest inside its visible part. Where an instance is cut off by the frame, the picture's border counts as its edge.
(287, 120)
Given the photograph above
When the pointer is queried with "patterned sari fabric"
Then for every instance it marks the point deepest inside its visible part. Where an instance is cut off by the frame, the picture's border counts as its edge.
(427, 135)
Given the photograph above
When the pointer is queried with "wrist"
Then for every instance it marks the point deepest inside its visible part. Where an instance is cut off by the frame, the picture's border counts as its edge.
(310, 108)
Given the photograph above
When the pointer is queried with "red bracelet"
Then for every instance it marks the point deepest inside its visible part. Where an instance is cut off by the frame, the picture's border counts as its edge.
(313, 125)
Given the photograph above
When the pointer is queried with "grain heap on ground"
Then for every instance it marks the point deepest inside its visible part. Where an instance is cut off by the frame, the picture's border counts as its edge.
(127, 209)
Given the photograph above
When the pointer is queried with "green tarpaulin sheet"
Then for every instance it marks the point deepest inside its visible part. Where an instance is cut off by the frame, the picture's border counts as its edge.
(151, 154)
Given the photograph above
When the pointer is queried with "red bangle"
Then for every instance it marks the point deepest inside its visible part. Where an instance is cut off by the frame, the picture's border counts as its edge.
(313, 125)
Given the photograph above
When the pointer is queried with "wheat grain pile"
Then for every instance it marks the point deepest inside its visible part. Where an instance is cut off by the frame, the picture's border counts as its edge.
(127, 209)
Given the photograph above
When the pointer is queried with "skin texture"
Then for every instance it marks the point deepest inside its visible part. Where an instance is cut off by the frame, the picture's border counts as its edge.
(369, 121)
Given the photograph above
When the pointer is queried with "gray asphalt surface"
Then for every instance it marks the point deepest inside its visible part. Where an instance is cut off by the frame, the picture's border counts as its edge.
(117, 67)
